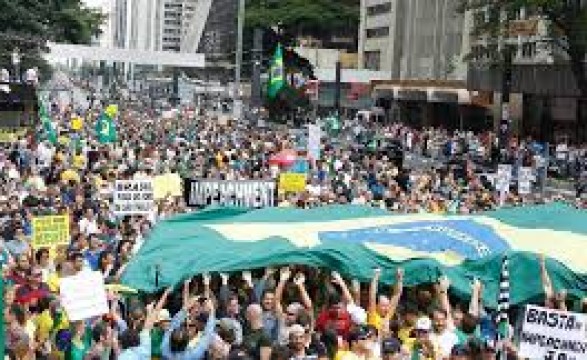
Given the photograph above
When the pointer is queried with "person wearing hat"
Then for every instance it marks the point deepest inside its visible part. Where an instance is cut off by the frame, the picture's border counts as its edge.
(360, 343)
(391, 349)
(161, 325)
(421, 346)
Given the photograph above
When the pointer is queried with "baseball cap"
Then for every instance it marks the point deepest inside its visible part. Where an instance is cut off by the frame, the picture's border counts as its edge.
(164, 316)
(423, 324)
(358, 314)
(358, 333)
(390, 346)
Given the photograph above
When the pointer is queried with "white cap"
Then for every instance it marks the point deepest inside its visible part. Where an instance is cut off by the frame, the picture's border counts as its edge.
(357, 313)
(423, 323)
(164, 315)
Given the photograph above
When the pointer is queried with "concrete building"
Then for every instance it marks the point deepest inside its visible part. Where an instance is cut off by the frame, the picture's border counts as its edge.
(424, 45)
(544, 95)
(413, 39)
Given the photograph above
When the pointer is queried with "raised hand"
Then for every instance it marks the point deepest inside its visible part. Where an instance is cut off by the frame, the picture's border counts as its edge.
(206, 279)
(299, 279)
(336, 278)
(248, 278)
(443, 283)
(284, 274)
(224, 277)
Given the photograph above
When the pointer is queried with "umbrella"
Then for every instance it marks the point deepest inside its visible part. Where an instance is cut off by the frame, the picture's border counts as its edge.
(284, 158)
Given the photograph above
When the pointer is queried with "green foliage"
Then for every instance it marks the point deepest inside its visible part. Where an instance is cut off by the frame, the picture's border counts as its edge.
(317, 18)
(29, 24)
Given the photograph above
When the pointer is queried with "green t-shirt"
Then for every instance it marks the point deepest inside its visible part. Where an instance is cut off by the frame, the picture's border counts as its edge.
(78, 349)
(156, 341)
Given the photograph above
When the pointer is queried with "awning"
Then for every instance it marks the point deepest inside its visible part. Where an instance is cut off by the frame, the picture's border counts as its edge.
(429, 94)
(442, 96)
(412, 95)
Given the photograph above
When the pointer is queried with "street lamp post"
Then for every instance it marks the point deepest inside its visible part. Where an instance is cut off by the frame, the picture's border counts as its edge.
(16, 64)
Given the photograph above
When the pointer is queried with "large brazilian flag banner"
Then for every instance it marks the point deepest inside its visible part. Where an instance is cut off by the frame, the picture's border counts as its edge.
(355, 240)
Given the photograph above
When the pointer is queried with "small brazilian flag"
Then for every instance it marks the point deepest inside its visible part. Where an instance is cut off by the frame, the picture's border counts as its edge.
(106, 129)
(277, 74)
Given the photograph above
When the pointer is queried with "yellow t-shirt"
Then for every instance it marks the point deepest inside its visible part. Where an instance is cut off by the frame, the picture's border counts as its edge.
(345, 355)
(374, 319)
(79, 161)
(409, 344)
(45, 324)
(404, 334)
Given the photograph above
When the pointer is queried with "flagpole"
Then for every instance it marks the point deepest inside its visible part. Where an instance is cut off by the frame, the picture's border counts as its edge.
(237, 101)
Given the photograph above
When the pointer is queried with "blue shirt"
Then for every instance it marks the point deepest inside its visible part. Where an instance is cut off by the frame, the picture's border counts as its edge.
(92, 258)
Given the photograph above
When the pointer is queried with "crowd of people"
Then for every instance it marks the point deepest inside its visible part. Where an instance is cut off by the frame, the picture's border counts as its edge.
(284, 314)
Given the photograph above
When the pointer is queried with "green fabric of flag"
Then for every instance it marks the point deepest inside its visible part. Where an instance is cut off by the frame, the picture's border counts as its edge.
(277, 74)
(48, 128)
(354, 240)
(106, 129)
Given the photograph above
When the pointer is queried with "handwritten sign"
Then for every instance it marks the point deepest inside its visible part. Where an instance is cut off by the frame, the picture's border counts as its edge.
(504, 177)
(553, 335)
(292, 182)
(49, 231)
(525, 180)
(133, 197)
(83, 295)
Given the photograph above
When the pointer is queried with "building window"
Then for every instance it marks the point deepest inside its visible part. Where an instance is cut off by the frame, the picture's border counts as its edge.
(372, 60)
(529, 49)
(378, 32)
(379, 9)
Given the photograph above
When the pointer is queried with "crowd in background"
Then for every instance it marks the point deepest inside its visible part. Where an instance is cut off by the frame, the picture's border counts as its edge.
(285, 314)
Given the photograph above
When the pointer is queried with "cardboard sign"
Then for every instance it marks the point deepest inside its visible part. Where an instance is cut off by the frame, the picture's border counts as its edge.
(50, 231)
(292, 182)
(250, 194)
(504, 177)
(133, 197)
(552, 334)
(525, 180)
(83, 295)
(314, 141)
(166, 185)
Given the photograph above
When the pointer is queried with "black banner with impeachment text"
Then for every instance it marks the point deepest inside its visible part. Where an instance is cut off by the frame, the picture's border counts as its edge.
(237, 193)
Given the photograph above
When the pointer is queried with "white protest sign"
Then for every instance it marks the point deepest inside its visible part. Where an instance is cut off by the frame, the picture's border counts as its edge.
(525, 180)
(83, 295)
(133, 197)
(504, 176)
(553, 335)
(314, 141)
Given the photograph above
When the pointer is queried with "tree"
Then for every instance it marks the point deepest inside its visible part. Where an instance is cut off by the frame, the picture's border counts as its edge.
(567, 27)
(320, 19)
(29, 24)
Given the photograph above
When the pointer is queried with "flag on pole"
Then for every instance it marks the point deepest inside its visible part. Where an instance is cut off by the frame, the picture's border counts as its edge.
(47, 124)
(503, 307)
(105, 128)
(277, 74)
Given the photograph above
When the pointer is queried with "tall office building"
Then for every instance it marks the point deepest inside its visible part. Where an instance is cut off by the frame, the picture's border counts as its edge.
(413, 39)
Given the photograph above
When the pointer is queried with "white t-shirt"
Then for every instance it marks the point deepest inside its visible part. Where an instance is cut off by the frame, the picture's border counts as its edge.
(445, 342)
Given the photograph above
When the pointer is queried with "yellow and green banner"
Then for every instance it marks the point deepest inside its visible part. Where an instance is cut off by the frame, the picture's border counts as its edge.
(49, 231)
(355, 239)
